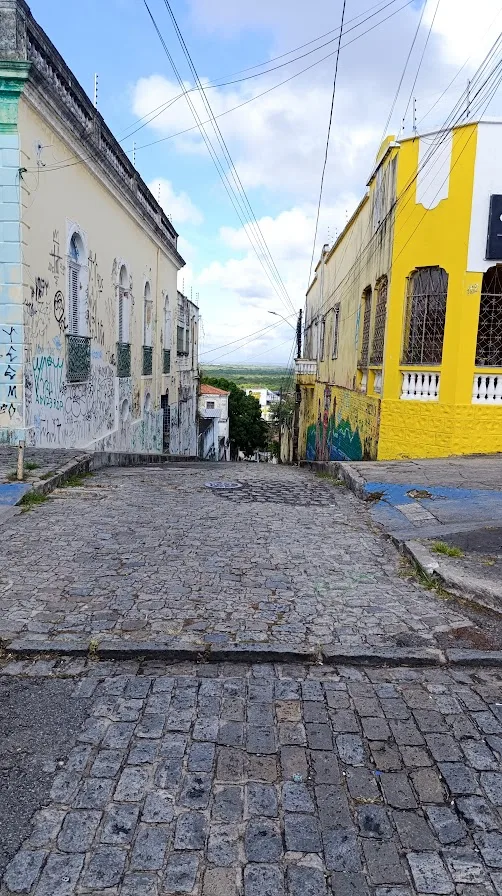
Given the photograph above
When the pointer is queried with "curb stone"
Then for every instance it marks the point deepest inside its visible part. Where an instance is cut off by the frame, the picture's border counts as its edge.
(341, 470)
(462, 584)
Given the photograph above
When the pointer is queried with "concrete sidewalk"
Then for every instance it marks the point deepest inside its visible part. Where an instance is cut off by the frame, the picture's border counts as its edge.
(445, 513)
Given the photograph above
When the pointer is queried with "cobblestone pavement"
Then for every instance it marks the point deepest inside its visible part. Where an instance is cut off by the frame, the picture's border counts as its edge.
(287, 559)
(271, 781)
(39, 462)
(476, 472)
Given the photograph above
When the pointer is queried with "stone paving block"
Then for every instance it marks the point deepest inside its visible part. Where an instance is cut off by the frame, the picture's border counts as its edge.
(46, 826)
(350, 749)
(490, 847)
(413, 831)
(288, 710)
(415, 757)
(138, 884)
(465, 866)
(375, 728)
(223, 848)
(325, 767)
(143, 752)
(293, 762)
(305, 881)
(397, 790)
(263, 880)
(362, 784)
(318, 736)
(429, 873)
(478, 814)
(95, 793)
(23, 870)
(261, 739)
(350, 884)
(341, 850)
(406, 733)
(132, 784)
(191, 831)
(262, 840)
(228, 803)
(459, 778)
(261, 800)
(181, 873)
(196, 790)
(479, 755)
(292, 733)
(301, 832)
(261, 714)
(374, 822)
(491, 782)
(150, 847)
(173, 745)
(231, 734)
(386, 757)
(261, 768)
(168, 775)
(427, 785)
(383, 863)
(230, 764)
(60, 875)
(296, 798)
(449, 828)
(118, 735)
(120, 822)
(344, 721)
(333, 807)
(105, 868)
(107, 763)
(78, 830)
(219, 881)
(158, 807)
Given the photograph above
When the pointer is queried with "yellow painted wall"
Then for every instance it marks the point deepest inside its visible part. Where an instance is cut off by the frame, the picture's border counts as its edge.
(338, 424)
(428, 429)
(89, 414)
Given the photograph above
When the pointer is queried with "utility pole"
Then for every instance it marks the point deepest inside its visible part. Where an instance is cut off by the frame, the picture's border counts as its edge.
(299, 335)
(296, 411)
(279, 459)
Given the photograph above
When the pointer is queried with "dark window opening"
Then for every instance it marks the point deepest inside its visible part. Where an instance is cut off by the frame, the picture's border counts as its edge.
(380, 319)
(425, 316)
(365, 340)
(489, 341)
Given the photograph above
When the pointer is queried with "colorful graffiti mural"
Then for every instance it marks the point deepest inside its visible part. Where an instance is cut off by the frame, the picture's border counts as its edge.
(346, 427)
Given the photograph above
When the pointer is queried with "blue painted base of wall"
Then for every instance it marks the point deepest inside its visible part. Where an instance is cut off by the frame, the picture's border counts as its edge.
(11, 492)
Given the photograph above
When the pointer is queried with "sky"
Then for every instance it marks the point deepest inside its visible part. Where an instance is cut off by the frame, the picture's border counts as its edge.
(276, 142)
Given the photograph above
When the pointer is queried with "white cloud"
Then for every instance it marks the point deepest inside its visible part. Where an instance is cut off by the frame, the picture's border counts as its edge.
(177, 206)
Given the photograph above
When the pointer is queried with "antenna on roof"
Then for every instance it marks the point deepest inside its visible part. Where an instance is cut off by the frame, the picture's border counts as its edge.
(414, 115)
(329, 235)
(96, 90)
(134, 154)
(158, 192)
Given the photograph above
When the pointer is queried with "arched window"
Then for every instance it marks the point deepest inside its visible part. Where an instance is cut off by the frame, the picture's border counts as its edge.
(123, 305)
(425, 316)
(76, 294)
(380, 318)
(489, 342)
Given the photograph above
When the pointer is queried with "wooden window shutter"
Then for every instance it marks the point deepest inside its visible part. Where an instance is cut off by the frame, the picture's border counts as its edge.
(74, 299)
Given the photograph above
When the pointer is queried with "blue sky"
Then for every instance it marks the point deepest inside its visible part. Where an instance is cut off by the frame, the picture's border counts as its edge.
(277, 141)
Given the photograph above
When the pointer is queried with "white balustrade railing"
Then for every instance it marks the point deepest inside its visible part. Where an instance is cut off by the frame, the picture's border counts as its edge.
(487, 388)
(377, 382)
(420, 386)
(303, 366)
(363, 385)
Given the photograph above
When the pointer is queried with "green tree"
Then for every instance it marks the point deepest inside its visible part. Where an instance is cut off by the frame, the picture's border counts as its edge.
(248, 430)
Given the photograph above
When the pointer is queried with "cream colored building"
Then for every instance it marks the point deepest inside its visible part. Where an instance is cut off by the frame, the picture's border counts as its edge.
(97, 348)
(214, 423)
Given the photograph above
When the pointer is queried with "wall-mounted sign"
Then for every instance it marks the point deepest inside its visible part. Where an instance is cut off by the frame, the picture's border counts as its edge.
(494, 241)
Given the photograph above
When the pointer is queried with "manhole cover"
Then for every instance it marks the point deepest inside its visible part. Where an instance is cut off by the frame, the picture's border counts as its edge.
(223, 485)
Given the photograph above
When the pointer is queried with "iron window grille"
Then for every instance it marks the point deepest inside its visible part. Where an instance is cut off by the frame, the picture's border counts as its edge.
(365, 340)
(167, 361)
(489, 341)
(123, 359)
(425, 316)
(336, 329)
(180, 341)
(322, 339)
(380, 320)
(147, 360)
(78, 358)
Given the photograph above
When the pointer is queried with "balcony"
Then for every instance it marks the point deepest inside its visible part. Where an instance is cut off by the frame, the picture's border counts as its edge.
(306, 371)
(147, 360)
(487, 388)
(123, 359)
(166, 367)
(78, 358)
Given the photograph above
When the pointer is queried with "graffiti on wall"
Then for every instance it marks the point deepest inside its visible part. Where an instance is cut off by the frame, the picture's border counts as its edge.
(346, 427)
(10, 376)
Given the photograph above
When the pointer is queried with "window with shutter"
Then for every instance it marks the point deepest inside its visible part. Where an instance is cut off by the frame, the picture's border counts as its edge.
(121, 314)
(73, 291)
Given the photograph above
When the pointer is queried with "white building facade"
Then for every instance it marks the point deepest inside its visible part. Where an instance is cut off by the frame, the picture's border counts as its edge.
(90, 315)
(214, 424)
(267, 398)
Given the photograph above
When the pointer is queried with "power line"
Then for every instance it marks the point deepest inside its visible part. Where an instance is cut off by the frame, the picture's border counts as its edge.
(226, 152)
(420, 62)
(327, 139)
(410, 51)
(221, 173)
(256, 332)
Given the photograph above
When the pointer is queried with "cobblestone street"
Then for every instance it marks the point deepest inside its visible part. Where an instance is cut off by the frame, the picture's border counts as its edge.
(153, 554)
(219, 780)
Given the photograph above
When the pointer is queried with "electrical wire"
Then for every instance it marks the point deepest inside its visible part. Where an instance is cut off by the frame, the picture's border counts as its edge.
(221, 173)
(269, 327)
(420, 63)
(410, 51)
(241, 192)
(327, 139)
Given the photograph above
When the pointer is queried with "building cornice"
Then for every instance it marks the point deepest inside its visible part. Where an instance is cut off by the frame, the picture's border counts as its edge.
(52, 86)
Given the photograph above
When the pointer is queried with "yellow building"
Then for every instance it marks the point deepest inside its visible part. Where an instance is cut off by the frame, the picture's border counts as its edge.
(403, 320)
(97, 348)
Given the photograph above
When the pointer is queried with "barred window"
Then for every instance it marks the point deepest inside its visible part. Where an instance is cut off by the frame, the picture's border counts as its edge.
(380, 319)
(123, 306)
(336, 329)
(322, 339)
(365, 341)
(76, 293)
(147, 316)
(489, 342)
(425, 316)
